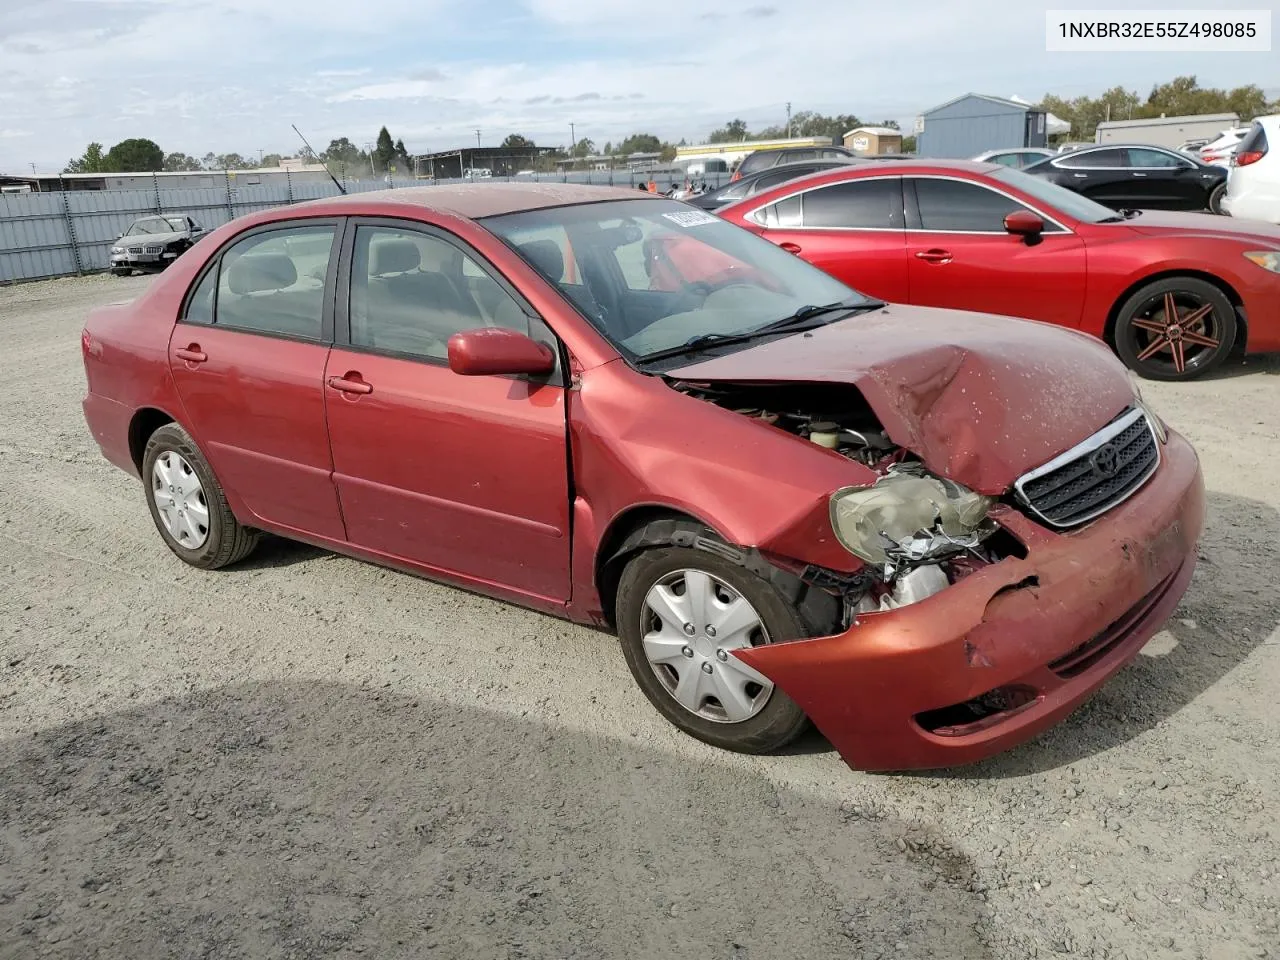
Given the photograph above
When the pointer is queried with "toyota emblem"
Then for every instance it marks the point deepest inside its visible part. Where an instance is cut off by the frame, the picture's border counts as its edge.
(1105, 461)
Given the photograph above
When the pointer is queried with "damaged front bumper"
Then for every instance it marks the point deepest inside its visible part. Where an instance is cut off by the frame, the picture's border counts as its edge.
(1006, 652)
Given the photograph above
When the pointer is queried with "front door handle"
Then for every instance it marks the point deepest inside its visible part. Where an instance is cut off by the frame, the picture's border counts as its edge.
(350, 383)
(934, 256)
(1079, 176)
(1139, 174)
(790, 247)
(191, 353)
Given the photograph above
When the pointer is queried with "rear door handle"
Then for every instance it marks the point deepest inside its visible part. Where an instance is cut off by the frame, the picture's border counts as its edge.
(1079, 176)
(934, 256)
(350, 383)
(790, 247)
(1139, 174)
(191, 353)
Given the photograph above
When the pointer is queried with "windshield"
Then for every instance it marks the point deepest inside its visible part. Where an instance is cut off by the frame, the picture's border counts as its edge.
(1060, 198)
(176, 224)
(651, 275)
(153, 225)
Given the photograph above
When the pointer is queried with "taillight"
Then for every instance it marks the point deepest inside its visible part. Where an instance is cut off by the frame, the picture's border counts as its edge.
(1251, 156)
(737, 175)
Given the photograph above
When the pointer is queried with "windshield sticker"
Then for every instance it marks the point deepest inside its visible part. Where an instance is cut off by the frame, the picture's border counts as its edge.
(690, 218)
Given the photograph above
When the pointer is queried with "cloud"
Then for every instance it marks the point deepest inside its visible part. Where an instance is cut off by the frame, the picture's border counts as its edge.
(232, 75)
(7, 134)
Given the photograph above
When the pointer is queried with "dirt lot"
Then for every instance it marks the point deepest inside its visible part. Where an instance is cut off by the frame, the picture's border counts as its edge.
(307, 756)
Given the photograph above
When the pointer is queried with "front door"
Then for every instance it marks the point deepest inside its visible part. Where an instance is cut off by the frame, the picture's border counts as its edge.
(248, 359)
(1163, 181)
(960, 255)
(464, 475)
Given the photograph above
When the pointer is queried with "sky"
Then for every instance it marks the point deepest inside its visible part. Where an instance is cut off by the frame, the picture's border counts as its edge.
(232, 75)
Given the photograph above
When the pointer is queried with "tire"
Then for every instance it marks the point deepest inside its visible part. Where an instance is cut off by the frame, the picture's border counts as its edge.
(777, 720)
(207, 539)
(1155, 350)
(1215, 198)
(121, 273)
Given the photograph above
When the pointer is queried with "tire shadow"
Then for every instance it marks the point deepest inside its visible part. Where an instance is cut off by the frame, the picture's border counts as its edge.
(317, 820)
(1231, 607)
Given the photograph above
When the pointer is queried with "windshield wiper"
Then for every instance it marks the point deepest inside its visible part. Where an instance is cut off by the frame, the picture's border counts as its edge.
(1120, 216)
(802, 319)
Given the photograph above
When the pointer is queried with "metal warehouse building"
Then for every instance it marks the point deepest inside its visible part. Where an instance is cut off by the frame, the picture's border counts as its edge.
(968, 125)
(165, 180)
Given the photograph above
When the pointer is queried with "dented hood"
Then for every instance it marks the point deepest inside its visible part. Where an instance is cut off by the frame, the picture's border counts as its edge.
(980, 399)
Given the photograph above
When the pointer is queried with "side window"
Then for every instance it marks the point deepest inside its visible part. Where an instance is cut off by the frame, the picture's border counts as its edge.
(868, 204)
(964, 207)
(274, 282)
(792, 156)
(1005, 159)
(200, 306)
(411, 292)
(1151, 159)
(1091, 160)
(781, 175)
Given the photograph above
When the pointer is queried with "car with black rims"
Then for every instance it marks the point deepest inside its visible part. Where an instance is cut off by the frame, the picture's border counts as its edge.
(1137, 177)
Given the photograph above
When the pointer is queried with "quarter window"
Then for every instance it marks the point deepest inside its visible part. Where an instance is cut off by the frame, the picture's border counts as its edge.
(964, 207)
(865, 204)
(411, 292)
(274, 282)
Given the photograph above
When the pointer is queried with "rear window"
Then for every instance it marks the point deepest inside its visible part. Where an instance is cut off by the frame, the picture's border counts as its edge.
(760, 160)
(1255, 141)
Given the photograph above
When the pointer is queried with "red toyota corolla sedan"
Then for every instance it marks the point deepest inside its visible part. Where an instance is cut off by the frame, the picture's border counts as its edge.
(932, 533)
(1172, 293)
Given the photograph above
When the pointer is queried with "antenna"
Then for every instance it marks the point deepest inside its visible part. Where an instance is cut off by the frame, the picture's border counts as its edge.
(341, 189)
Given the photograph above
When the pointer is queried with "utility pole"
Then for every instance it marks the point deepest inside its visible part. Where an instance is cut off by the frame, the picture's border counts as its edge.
(33, 169)
(788, 120)
(573, 143)
(477, 139)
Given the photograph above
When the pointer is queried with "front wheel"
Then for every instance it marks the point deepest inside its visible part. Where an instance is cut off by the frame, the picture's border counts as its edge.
(1175, 329)
(681, 615)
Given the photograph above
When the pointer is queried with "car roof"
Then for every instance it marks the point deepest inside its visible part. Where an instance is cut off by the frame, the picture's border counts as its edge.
(476, 200)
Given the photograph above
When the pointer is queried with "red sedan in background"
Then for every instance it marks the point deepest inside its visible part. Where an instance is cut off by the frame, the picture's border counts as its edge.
(1172, 293)
(790, 501)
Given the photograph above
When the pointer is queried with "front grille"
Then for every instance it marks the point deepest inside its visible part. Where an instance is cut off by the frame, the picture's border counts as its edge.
(1093, 476)
(135, 249)
(155, 248)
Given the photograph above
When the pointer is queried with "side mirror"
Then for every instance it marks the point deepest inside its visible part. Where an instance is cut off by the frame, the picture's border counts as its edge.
(1025, 224)
(493, 351)
(119, 236)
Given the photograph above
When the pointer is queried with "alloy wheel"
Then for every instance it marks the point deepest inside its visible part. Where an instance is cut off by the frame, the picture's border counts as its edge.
(1177, 330)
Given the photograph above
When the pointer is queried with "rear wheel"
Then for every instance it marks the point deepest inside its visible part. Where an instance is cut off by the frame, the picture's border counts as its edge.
(681, 615)
(1215, 198)
(188, 505)
(1175, 329)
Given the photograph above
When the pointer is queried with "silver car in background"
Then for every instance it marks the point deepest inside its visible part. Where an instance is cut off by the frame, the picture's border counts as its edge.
(152, 243)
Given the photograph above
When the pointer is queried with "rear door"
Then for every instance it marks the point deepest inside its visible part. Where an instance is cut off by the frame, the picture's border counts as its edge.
(463, 475)
(853, 230)
(248, 358)
(961, 256)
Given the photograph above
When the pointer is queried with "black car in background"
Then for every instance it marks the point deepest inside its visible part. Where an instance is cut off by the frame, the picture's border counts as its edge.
(766, 159)
(753, 183)
(152, 243)
(1137, 177)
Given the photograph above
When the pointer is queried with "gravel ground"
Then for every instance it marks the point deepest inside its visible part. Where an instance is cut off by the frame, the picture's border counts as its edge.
(307, 756)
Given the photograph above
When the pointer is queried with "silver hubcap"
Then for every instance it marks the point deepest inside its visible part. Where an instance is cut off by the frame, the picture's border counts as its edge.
(180, 500)
(690, 623)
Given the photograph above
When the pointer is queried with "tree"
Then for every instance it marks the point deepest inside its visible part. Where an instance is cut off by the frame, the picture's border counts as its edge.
(640, 143)
(135, 155)
(669, 151)
(180, 161)
(232, 161)
(271, 160)
(515, 141)
(384, 152)
(584, 148)
(403, 160)
(209, 161)
(343, 151)
(731, 132)
(90, 162)
(909, 143)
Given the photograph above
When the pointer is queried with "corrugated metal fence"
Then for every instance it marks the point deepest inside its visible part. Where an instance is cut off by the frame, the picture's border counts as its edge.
(58, 234)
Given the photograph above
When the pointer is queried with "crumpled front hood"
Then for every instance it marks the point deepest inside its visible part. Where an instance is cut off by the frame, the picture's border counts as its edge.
(980, 399)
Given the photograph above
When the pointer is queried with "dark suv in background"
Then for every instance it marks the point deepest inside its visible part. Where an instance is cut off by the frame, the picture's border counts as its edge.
(764, 159)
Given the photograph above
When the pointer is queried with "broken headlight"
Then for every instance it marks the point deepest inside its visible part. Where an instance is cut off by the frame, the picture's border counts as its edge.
(909, 516)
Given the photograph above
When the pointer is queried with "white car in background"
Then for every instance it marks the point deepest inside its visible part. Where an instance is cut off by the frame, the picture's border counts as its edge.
(1253, 188)
(1219, 150)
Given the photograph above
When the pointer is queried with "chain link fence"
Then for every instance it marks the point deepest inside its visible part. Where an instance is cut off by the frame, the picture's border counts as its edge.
(46, 235)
